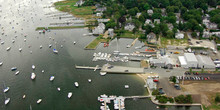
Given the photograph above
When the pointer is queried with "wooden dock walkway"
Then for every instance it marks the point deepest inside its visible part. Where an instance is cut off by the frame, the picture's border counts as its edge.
(88, 67)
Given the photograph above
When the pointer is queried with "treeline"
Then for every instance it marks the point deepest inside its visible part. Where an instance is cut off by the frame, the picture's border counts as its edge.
(191, 12)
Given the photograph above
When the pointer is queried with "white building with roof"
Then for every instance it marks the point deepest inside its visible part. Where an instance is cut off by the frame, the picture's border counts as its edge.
(99, 29)
(179, 35)
(150, 12)
(182, 61)
(191, 60)
(205, 62)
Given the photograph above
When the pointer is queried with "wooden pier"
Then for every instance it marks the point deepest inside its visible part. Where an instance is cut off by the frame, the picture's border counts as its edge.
(88, 67)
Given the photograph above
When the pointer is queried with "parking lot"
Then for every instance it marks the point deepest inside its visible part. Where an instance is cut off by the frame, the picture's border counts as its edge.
(199, 76)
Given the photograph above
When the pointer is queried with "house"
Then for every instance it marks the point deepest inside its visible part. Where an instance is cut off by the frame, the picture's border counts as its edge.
(208, 24)
(79, 3)
(170, 26)
(99, 14)
(103, 20)
(110, 32)
(129, 26)
(152, 38)
(138, 15)
(97, 5)
(148, 21)
(100, 9)
(164, 61)
(157, 21)
(205, 62)
(206, 34)
(179, 35)
(216, 34)
(99, 29)
(150, 12)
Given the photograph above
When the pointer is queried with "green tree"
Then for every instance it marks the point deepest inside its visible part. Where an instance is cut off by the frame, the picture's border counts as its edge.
(171, 19)
(156, 29)
(194, 34)
(169, 34)
(217, 98)
(141, 19)
(156, 16)
(215, 18)
(146, 6)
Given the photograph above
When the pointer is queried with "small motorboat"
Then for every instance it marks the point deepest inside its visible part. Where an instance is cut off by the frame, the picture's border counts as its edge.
(61, 46)
(74, 42)
(76, 84)
(41, 46)
(126, 86)
(30, 52)
(13, 41)
(24, 40)
(58, 89)
(52, 78)
(13, 68)
(89, 80)
(20, 49)
(7, 101)
(6, 89)
(33, 67)
(24, 96)
(70, 95)
(39, 101)
(42, 71)
(55, 51)
(8, 48)
(17, 72)
(103, 73)
(2, 42)
(50, 45)
(1, 63)
(33, 76)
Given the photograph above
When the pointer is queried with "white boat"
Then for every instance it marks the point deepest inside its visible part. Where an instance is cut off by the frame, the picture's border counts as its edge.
(1, 63)
(55, 51)
(33, 75)
(70, 94)
(89, 80)
(102, 73)
(2, 42)
(7, 101)
(24, 96)
(6, 89)
(33, 67)
(13, 68)
(24, 40)
(126, 86)
(52, 78)
(8, 48)
(41, 46)
(42, 71)
(58, 89)
(31, 52)
(74, 42)
(39, 101)
(20, 49)
(17, 72)
(13, 41)
(61, 46)
(76, 84)
(50, 45)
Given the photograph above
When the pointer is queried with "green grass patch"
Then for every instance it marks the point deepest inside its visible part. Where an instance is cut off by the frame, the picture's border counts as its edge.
(172, 41)
(62, 27)
(68, 6)
(96, 42)
(131, 35)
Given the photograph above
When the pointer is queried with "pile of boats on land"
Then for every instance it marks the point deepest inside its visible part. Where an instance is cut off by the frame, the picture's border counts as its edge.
(107, 57)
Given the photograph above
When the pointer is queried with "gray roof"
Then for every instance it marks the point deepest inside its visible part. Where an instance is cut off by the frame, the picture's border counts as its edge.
(190, 57)
(205, 60)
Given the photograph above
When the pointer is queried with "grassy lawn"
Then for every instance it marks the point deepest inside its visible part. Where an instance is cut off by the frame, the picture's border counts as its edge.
(68, 6)
(96, 42)
(129, 34)
(177, 42)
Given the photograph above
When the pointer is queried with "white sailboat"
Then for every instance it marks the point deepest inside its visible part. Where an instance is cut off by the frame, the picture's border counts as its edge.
(24, 96)
(76, 84)
(41, 46)
(33, 76)
(58, 89)
(20, 49)
(17, 72)
(70, 95)
(8, 48)
(1, 63)
(7, 101)
(52, 78)
(39, 101)
(33, 67)
(89, 80)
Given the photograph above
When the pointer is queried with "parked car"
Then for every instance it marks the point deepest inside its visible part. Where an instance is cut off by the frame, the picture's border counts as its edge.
(161, 91)
(177, 86)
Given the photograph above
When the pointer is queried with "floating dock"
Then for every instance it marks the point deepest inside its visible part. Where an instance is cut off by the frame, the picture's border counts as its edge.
(88, 67)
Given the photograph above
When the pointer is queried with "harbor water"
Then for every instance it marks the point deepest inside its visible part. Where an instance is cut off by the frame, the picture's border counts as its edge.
(18, 21)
